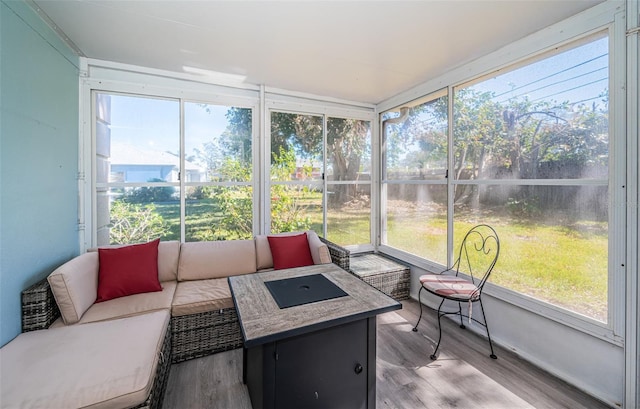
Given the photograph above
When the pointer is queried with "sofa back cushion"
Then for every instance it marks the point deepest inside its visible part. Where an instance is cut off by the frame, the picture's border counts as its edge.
(216, 259)
(75, 286)
(264, 258)
(168, 255)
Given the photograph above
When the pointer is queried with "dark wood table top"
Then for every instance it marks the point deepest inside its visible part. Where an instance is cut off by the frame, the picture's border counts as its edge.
(262, 321)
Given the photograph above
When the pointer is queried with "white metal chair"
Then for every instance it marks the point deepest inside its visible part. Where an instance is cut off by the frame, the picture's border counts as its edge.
(477, 256)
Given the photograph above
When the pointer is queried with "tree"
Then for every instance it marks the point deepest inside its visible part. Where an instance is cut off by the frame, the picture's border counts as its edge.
(348, 143)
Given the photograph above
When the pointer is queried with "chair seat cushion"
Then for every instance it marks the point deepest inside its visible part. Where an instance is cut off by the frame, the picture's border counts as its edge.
(456, 288)
(110, 364)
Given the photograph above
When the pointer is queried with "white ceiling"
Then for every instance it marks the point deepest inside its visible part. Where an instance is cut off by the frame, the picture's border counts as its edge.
(365, 51)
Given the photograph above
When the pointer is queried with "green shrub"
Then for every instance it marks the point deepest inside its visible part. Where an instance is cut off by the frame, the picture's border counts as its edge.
(150, 194)
(133, 223)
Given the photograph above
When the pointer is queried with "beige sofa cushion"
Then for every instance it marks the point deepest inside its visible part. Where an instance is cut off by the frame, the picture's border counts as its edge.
(103, 365)
(75, 286)
(168, 255)
(131, 305)
(264, 259)
(216, 259)
(193, 297)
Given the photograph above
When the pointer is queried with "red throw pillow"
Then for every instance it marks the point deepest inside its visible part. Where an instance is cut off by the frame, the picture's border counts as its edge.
(290, 251)
(128, 270)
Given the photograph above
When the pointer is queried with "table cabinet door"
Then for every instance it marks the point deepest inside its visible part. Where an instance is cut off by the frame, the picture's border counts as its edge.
(325, 369)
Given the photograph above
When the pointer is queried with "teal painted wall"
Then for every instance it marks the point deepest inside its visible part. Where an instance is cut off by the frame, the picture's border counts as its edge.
(38, 156)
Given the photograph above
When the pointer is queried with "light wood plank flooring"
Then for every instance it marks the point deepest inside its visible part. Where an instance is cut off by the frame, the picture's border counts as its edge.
(463, 376)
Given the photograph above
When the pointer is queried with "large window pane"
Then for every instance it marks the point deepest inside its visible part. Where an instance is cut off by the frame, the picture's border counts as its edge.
(219, 213)
(416, 142)
(349, 218)
(137, 145)
(141, 214)
(554, 243)
(416, 220)
(296, 160)
(296, 147)
(219, 196)
(296, 207)
(218, 143)
(348, 149)
(545, 122)
(414, 176)
(348, 181)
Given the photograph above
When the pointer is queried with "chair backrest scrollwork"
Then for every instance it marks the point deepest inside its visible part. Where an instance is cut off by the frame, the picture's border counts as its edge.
(478, 254)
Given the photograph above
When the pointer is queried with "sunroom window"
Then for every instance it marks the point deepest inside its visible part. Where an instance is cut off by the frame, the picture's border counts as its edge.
(529, 154)
(321, 188)
(414, 189)
(148, 187)
(137, 162)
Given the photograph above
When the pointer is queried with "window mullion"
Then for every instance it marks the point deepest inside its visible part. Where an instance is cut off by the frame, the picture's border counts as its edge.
(182, 176)
(450, 176)
(324, 176)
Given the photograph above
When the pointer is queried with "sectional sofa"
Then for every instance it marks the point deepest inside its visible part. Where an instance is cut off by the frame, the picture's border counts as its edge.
(85, 345)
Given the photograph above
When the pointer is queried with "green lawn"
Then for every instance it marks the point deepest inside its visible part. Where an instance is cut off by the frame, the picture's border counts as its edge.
(566, 266)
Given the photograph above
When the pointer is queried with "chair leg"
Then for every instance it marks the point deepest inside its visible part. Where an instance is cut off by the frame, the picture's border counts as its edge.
(460, 314)
(434, 356)
(486, 325)
(415, 329)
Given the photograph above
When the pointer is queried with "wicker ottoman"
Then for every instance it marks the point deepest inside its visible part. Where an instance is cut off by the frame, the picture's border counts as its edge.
(386, 275)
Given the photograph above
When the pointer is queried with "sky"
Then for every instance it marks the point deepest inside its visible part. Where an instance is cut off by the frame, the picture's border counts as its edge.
(154, 124)
(576, 75)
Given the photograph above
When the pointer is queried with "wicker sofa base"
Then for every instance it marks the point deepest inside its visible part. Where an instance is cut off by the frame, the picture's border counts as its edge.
(39, 308)
(394, 284)
(202, 334)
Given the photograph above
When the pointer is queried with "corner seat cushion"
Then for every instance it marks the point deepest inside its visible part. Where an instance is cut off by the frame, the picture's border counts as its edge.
(102, 365)
(131, 305)
(168, 255)
(193, 297)
(264, 258)
(75, 286)
(216, 259)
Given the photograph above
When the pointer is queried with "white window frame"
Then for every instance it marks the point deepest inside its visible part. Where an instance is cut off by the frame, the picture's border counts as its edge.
(607, 17)
(302, 106)
(113, 78)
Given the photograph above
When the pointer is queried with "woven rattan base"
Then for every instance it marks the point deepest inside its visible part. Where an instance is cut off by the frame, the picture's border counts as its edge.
(339, 255)
(386, 275)
(39, 308)
(206, 333)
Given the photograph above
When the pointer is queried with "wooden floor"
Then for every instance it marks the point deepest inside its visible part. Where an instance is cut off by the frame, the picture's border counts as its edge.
(463, 376)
